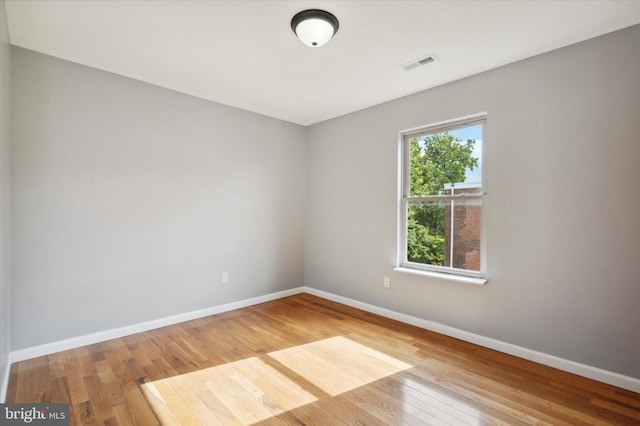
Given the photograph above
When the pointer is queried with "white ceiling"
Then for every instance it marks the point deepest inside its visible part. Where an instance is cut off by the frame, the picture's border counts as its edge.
(244, 54)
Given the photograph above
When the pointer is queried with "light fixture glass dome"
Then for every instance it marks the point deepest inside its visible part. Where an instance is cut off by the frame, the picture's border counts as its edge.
(314, 27)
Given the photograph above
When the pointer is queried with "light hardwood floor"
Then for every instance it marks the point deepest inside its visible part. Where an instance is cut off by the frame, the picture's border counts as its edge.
(304, 360)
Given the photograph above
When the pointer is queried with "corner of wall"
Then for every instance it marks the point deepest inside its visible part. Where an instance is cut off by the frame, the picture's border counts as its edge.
(5, 204)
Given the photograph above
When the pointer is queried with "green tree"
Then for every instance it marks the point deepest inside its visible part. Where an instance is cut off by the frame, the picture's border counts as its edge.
(423, 247)
(435, 160)
(438, 159)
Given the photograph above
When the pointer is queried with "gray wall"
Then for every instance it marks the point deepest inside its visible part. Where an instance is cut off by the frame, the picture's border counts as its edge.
(130, 200)
(563, 174)
(5, 199)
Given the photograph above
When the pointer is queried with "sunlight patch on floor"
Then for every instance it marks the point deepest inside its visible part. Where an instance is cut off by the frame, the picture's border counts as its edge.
(238, 393)
(337, 365)
(249, 391)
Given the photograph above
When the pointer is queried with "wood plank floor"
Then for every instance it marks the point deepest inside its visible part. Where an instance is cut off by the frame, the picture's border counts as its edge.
(304, 360)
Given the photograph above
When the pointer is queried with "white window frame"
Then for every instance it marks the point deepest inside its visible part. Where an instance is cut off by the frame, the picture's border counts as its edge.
(404, 161)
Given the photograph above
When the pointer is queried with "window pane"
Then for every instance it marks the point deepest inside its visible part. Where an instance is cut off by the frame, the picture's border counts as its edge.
(464, 223)
(430, 227)
(445, 158)
(426, 232)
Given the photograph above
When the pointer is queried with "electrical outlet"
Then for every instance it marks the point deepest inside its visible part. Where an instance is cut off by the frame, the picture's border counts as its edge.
(224, 278)
(387, 282)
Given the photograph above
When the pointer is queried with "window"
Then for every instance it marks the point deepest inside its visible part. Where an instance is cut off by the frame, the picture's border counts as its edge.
(442, 195)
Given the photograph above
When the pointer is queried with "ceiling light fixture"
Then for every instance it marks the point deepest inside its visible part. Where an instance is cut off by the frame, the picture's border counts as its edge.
(314, 27)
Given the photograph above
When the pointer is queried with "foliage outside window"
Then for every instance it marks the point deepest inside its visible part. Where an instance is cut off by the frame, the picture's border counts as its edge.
(441, 206)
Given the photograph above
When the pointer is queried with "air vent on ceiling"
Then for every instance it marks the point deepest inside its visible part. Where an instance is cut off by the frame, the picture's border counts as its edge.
(419, 62)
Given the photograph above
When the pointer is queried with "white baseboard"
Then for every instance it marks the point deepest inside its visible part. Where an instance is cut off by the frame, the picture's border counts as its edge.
(89, 339)
(594, 373)
(588, 371)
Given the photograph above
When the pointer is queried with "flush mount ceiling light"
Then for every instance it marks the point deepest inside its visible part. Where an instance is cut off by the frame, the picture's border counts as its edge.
(314, 27)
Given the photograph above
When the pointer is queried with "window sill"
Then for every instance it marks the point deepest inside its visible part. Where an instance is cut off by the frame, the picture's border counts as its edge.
(450, 277)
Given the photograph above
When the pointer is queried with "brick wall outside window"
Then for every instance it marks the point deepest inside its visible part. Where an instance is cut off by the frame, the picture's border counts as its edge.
(466, 231)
